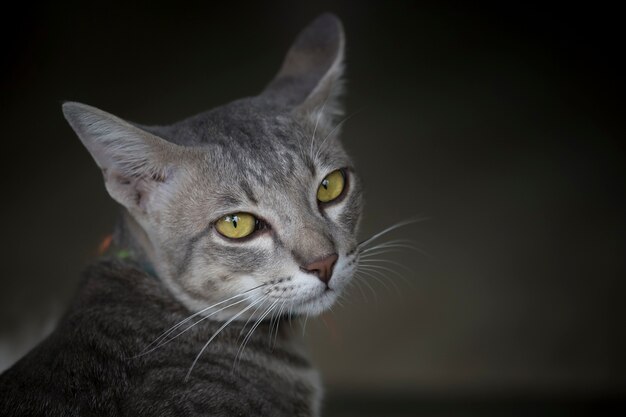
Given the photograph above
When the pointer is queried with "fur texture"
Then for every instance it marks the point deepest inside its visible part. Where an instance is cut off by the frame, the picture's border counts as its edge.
(266, 155)
(86, 367)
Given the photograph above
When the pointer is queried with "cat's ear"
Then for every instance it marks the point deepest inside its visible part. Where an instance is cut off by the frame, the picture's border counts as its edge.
(310, 77)
(135, 163)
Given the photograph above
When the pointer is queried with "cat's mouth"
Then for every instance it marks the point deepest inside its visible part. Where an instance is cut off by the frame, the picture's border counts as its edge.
(318, 303)
(325, 292)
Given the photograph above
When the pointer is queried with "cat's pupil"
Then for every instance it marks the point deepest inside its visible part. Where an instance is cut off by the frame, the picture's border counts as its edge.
(325, 183)
(234, 221)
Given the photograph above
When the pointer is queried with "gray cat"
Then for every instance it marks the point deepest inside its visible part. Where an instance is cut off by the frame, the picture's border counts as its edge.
(234, 220)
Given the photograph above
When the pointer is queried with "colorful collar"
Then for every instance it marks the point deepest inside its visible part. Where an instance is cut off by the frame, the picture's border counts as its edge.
(124, 255)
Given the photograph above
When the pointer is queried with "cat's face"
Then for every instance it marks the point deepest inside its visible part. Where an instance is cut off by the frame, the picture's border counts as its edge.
(266, 177)
(255, 200)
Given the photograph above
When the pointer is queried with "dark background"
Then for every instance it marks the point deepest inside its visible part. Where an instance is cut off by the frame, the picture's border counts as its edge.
(501, 124)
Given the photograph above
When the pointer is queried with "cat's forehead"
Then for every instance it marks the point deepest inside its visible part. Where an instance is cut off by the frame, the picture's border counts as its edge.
(249, 123)
(257, 141)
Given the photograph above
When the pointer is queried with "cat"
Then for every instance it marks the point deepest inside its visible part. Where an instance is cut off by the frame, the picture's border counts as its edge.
(233, 221)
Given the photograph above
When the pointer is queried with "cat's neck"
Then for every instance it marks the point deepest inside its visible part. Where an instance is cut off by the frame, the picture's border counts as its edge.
(130, 240)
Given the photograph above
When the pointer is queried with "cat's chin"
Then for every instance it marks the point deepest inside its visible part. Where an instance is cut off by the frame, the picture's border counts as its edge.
(317, 304)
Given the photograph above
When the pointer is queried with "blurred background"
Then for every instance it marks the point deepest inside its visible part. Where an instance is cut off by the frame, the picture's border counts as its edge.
(503, 124)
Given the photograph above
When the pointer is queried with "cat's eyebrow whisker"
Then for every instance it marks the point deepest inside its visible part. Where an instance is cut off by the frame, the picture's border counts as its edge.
(176, 326)
(215, 335)
(337, 126)
(317, 121)
(389, 229)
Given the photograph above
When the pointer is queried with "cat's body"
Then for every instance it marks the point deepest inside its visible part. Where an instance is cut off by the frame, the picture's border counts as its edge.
(87, 366)
(243, 215)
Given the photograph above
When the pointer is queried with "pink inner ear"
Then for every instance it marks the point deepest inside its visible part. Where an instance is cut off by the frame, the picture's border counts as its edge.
(133, 192)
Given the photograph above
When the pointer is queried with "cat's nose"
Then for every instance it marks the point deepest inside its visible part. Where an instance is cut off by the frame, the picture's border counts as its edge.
(322, 268)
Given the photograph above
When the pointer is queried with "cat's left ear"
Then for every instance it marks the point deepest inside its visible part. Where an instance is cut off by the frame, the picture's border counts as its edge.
(310, 77)
(137, 165)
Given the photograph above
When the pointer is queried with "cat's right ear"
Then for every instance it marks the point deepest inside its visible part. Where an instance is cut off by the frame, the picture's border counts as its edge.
(310, 79)
(135, 163)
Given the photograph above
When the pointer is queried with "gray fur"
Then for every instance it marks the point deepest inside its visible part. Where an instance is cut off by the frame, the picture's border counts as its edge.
(86, 367)
(264, 155)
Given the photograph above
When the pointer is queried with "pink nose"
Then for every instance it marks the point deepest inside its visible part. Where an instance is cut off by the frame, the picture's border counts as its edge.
(322, 268)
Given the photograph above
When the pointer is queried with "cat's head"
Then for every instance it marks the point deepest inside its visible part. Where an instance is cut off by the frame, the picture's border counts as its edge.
(258, 193)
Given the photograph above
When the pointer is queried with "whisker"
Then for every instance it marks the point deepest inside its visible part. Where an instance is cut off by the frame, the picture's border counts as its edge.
(339, 301)
(367, 284)
(249, 335)
(280, 313)
(306, 318)
(252, 315)
(166, 341)
(371, 273)
(389, 249)
(273, 319)
(396, 247)
(399, 243)
(215, 335)
(387, 261)
(317, 121)
(389, 229)
(357, 283)
(290, 314)
(171, 329)
(243, 329)
(337, 126)
(380, 252)
(383, 268)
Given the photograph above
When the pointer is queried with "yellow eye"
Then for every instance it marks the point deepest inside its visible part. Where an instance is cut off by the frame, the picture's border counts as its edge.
(331, 186)
(236, 225)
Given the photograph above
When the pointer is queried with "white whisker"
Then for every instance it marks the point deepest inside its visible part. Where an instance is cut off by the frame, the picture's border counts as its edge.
(171, 329)
(380, 268)
(371, 273)
(249, 335)
(253, 314)
(215, 335)
(166, 340)
(387, 261)
(317, 121)
(337, 126)
(389, 229)
(357, 284)
(306, 318)
(367, 284)
(280, 313)
(399, 243)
